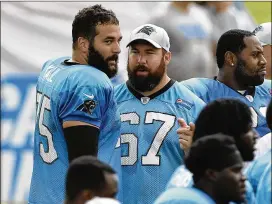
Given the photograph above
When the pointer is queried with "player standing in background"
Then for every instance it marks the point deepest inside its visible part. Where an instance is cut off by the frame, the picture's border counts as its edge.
(87, 177)
(228, 116)
(150, 104)
(76, 110)
(242, 71)
(256, 169)
(263, 32)
(216, 165)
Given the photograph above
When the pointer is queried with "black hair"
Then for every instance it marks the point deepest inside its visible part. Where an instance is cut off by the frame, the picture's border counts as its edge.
(86, 172)
(228, 116)
(209, 153)
(233, 41)
(269, 115)
(86, 20)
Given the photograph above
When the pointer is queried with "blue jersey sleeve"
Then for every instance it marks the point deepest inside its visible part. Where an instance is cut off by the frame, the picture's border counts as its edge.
(250, 195)
(183, 195)
(195, 103)
(197, 87)
(264, 188)
(255, 169)
(84, 102)
(180, 178)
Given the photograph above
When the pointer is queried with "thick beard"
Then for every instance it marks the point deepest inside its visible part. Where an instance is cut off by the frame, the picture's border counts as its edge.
(246, 153)
(149, 82)
(96, 60)
(243, 78)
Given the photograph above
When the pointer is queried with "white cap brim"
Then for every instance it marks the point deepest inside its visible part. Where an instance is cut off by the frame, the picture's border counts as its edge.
(156, 45)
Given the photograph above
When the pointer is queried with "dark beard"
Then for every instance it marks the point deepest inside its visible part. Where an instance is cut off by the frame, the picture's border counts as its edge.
(246, 153)
(146, 83)
(243, 78)
(96, 60)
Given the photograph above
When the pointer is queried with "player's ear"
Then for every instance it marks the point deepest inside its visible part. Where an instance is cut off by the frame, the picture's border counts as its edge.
(211, 174)
(167, 57)
(87, 195)
(230, 58)
(83, 44)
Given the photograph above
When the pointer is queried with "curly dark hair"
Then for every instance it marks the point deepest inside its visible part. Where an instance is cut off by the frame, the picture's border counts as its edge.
(233, 41)
(228, 116)
(209, 153)
(86, 20)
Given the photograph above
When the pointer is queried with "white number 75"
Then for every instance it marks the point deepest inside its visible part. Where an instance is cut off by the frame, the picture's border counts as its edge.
(43, 103)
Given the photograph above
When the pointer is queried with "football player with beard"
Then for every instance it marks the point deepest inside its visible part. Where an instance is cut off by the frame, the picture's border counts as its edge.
(150, 104)
(76, 111)
(242, 70)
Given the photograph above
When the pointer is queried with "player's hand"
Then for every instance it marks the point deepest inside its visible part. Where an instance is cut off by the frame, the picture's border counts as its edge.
(185, 133)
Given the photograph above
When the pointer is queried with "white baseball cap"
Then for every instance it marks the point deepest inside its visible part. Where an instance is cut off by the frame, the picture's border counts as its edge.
(99, 200)
(263, 32)
(156, 35)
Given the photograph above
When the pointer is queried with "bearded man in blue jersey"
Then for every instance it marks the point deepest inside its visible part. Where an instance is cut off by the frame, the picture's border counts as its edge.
(150, 104)
(76, 110)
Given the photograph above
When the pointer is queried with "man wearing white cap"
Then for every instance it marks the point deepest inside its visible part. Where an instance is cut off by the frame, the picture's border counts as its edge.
(263, 32)
(150, 104)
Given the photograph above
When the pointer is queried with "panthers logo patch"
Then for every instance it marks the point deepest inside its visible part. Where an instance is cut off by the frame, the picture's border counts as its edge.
(147, 30)
(88, 106)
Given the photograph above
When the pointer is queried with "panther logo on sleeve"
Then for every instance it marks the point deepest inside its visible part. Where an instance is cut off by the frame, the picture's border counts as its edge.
(88, 105)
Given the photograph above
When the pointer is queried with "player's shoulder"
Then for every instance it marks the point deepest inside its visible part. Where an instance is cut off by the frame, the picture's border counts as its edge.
(200, 85)
(196, 81)
(181, 177)
(263, 194)
(184, 195)
(82, 75)
(122, 93)
(187, 95)
(265, 88)
(53, 62)
(259, 163)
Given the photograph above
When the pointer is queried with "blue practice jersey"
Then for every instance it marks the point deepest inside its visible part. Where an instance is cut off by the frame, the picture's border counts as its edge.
(256, 168)
(264, 188)
(184, 196)
(182, 177)
(149, 141)
(211, 89)
(70, 92)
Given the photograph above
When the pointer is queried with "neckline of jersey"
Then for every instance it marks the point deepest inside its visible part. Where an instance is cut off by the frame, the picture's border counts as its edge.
(139, 95)
(250, 91)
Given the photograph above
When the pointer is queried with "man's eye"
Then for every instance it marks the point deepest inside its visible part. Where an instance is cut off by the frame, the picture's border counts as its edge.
(108, 42)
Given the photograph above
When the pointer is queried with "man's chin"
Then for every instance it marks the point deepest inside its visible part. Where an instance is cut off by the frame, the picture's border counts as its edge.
(112, 71)
(259, 81)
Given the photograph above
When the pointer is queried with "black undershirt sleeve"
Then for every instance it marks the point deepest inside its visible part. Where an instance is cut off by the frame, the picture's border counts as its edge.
(81, 140)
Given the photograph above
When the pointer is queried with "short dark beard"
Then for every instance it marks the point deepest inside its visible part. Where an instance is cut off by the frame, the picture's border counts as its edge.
(243, 78)
(96, 60)
(149, 82)
(246, 153)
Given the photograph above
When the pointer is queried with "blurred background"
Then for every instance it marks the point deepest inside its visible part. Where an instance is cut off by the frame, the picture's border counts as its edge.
(33, 32)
